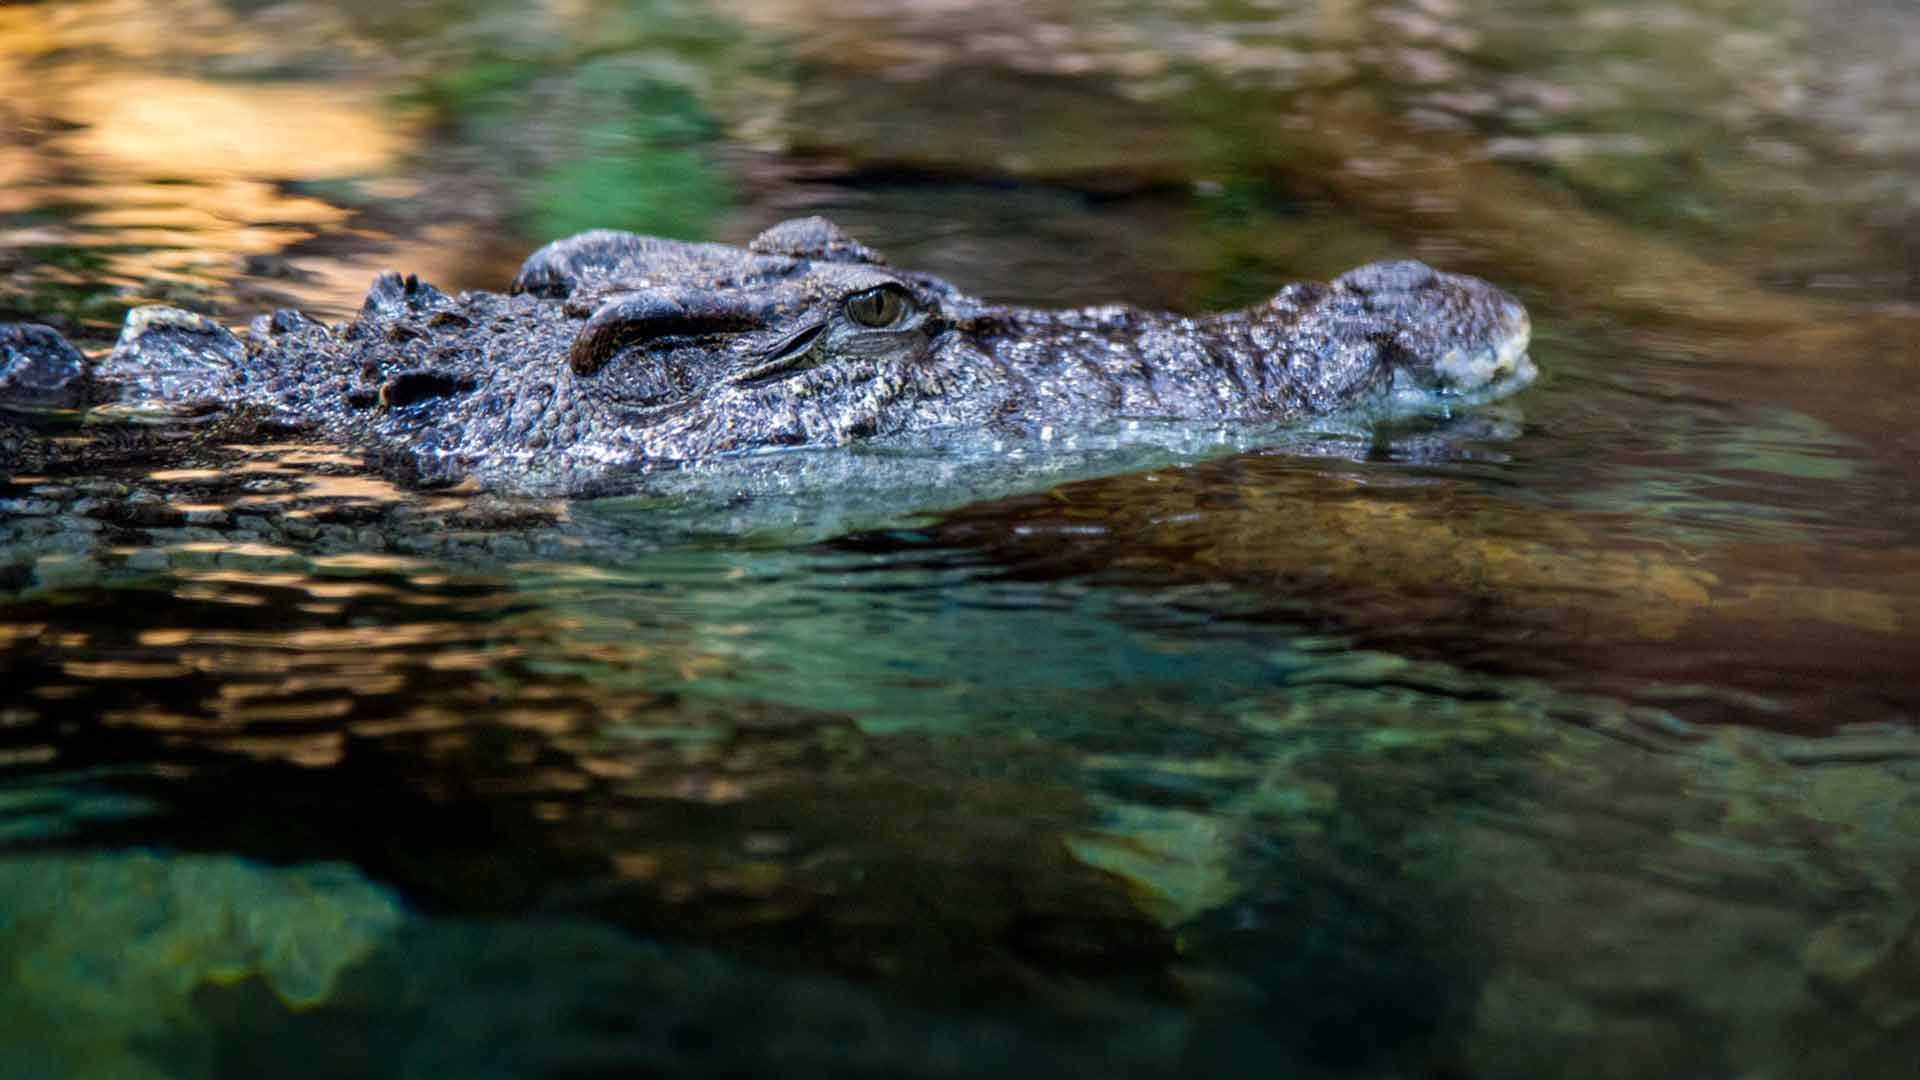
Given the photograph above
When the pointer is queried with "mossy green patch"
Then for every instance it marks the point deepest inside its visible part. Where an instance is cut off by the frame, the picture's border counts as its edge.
(101, 952)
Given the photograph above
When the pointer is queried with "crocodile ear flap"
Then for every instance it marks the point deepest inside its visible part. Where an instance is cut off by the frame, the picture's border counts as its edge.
(814, 238)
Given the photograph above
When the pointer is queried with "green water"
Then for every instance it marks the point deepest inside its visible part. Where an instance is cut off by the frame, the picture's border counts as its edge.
(1567, 736)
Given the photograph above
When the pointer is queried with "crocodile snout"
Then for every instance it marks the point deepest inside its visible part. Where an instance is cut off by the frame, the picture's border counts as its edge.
(1484, 359)
(1451, 334)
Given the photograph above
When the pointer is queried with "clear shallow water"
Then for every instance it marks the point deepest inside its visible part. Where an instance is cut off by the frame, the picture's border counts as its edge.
(1572, 736)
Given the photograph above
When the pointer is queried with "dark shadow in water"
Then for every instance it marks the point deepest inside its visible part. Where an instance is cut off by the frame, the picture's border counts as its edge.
(1445, 563)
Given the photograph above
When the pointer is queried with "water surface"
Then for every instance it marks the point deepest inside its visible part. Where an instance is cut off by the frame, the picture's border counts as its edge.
(1570, 736)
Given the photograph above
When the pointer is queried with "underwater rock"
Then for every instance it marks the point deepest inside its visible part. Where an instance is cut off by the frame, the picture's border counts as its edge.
(103, 951)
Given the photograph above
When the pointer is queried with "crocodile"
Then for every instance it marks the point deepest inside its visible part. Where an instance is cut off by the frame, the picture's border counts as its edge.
(614, 354)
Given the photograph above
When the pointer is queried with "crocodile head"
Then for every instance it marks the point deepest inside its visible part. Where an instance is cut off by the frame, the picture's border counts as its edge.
(614, 353)
(804, 338)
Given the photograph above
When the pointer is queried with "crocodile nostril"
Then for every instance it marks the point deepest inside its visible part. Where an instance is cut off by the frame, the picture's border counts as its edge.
(408, 387)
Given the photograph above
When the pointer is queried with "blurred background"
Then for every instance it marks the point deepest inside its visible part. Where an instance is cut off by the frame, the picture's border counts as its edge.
(231, 156)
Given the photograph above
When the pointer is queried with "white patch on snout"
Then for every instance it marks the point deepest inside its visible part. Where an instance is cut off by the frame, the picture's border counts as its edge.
(1461, 370)
(1469, 377)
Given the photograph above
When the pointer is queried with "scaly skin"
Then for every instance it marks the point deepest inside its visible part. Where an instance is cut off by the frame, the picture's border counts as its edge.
(615, 354)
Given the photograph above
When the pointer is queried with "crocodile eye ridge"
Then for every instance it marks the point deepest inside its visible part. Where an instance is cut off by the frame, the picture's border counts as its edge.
(883, 306)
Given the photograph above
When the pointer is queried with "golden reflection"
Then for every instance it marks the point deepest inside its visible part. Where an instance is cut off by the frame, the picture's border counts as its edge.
(318, 751)
(363, 665)
(297, 456)
(422, 600)
(234, 577)
(219, 596)
(123, 669)
(637, 864)
(368, 563)
(158, 149)
(343, 590)
(749, 878)
(243, 650)
(555, 780)
(284, 711)
(28, 755)
(192, 129)
(418, 720)
(701, 666)
(368, 489)
(1859, 609)
(322, 588)
(138, 31)
(481, 659)
(252, 548)
(712, 790)
(12, 632)
(615, 653)
(544, 721)
(155, 719)
(363, 638)
(356, 683)
(607, 768)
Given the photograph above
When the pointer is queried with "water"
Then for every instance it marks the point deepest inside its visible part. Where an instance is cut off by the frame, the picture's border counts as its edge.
(1572, 735)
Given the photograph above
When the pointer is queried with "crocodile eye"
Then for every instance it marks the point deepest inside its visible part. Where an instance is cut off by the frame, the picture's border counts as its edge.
(887, 305)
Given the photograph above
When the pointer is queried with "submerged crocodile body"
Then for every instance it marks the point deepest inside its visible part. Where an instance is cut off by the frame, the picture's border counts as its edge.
(614, 354)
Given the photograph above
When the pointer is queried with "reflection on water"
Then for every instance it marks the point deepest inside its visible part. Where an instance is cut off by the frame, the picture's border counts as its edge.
(962, 791)
(1571, 737)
